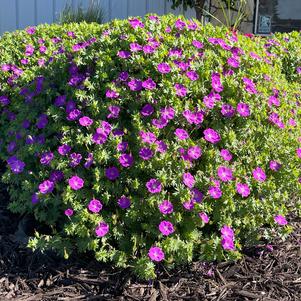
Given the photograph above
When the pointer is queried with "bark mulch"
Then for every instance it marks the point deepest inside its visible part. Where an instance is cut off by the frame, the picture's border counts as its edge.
(265, 273)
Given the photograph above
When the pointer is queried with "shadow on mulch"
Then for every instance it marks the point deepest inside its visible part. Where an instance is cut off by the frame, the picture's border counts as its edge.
(267, 274)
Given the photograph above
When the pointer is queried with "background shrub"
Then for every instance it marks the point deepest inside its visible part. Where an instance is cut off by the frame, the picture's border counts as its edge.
(150, 139)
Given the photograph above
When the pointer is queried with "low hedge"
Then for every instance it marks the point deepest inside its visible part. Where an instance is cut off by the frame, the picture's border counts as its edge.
(150, 140)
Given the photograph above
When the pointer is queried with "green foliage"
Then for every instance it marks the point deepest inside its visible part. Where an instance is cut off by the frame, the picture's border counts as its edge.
(93, 13)
(82, 62)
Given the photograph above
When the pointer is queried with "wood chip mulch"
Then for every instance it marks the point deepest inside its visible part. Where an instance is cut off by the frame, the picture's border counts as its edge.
(266, 273)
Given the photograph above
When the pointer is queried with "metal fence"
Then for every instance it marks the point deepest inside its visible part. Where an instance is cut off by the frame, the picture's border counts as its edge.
(17, 14)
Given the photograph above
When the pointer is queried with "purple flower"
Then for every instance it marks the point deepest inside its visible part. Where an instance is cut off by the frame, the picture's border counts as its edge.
(194, 152)
(89, 160)
(135, 23)
(34, 198)
(149, 84)
(123, 76)
(95, 206)
(215, 192)
(280, 220)
(60, 100)
(147, 110)
(233, 62)
(112, 173)
(243, 189)
(189, 205)
(226, 155)
(85, 121)
(197, 196)
(181, 90)
(69, 212)
(122, 146)
(4, 100)
(197, 44)
(126, 160)
(211, 136)
(42, 121)
(64, 149)
(168, 113)
(192, 75)
(29, 50)
(56, 176)
(146, 153)
(46, 158)
(204, 217)
(227, 110)
(181, 134)
(76, 183)
(188, 179)
(135, 85)
(243, 109)
(16, 165)
(135, 47)
(124, 202)
(74, 115)
(274, 165)
(154, 186)
(224, 173)
(166, 228)
(163, 68)
(31, 30)
(148, 137)
(259, 174)
(166, 207)
(75, 159)
(156, 254)
(161, 146)
(102, 229)
(46, 187)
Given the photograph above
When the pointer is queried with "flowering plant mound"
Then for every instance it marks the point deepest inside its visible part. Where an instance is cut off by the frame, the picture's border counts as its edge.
(150, 140)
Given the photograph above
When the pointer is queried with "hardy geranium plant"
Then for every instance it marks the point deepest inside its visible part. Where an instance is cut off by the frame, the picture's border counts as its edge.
(150, 140)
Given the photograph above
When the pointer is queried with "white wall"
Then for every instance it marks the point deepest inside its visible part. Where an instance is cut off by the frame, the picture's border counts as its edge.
(17, 14)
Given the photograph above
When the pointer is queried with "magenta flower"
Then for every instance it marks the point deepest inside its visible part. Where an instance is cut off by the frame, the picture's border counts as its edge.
(102, 229)
(215, 192)
(226, 155)
(156, 254)
(135, 23)
(123, 54)
(259, 174)
(181, 134)
(85, 121)
(148, 137)
(188, 179)
(189, 205)
(95, 206)
(243, 109)
(181, 90)
(298, 151)
(228, 244)
(224, 173)
(112, 173)
(135, 47)
(204, 217)
(166, 207)
(114, 112)
(154, 186)
(124, 202)
(145, 153)
(197, 44)
(216, 82)
(166, 228)
(194, 152)
(69, 212)
(149, 84)
(163, 68)
(275, 166)
(168, 113)
(243, 189)
(126, 160)
(46, 187)
(227, 232)
(76, 183)
(280, 220)
(211, 136)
